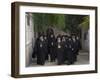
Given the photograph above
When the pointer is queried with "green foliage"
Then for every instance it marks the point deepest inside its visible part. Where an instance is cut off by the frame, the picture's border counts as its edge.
(85, 23)
(63, 22)
(60, 21)
(43, 21)
(72, 22)
(37, 18)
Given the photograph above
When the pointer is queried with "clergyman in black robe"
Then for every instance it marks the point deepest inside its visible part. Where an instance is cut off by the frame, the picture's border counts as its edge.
(74, 47)
(65, 48)
(51, 44)
(59, 50)
(41, 51)
(70, 55)
(46, 47)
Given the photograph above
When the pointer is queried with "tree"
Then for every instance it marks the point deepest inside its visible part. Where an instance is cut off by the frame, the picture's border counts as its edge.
(64, 22)
(85, 23)
(60, 21)
(72, 23)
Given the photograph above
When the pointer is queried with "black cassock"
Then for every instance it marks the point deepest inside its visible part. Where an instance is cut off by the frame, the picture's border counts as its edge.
(65, 50)
(52, 48)
(70, 55)
(74, 49)
(49, 32)
(46, 47)
(41, 52)
(59, 51)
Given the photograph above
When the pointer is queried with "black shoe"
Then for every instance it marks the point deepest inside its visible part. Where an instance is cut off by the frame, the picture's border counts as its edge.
(72, 62)
(40, 63)
(59, 63)
(69, 63)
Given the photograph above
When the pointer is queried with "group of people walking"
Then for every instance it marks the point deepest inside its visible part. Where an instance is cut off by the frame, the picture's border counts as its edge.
(58, 49)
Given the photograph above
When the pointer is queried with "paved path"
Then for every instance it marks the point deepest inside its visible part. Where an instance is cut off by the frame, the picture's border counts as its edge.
(82, 58)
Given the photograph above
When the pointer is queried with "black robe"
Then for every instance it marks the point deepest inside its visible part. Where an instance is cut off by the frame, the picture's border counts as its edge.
(52, 45)
(75, 49)
(49, 31)
(41, 52)
(59, 51)
(70, 55)
(46, 47)
(65, 50)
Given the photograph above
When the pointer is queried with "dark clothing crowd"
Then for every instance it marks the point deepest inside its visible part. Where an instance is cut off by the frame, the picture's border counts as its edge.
(61, 49)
